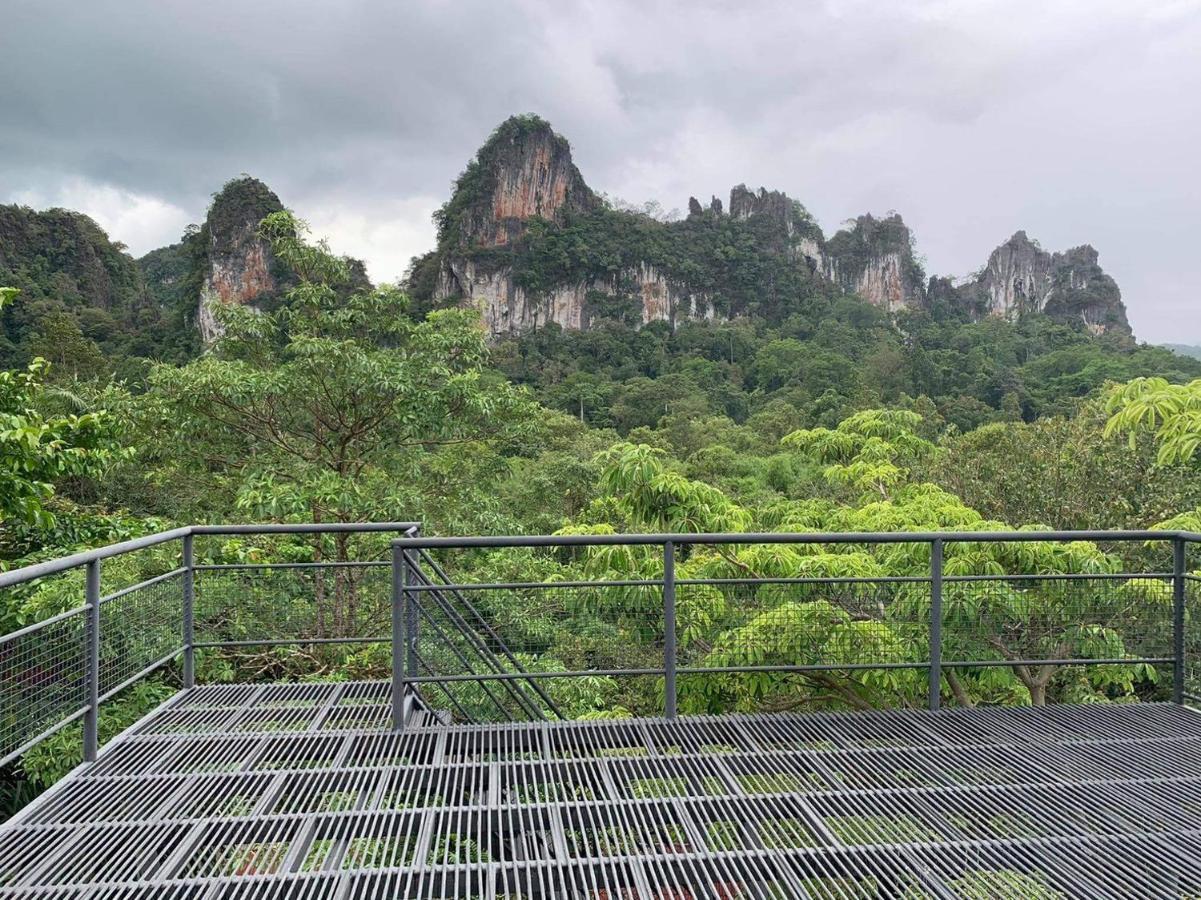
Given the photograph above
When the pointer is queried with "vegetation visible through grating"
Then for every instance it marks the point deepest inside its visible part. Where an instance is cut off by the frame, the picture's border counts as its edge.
(1032, 803)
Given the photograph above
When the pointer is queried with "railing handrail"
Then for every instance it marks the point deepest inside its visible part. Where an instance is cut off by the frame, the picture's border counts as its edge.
(75, 560)
(781, 537)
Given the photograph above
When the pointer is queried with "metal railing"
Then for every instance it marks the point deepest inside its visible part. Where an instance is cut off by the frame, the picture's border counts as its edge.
(61, 670)
(463, 648)
(1141, 617)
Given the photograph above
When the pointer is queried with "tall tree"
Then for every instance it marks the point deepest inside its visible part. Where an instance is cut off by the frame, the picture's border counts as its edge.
(37, 449)
(322, 409)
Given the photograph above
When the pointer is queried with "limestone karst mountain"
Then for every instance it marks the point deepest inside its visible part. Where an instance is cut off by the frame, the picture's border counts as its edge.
(527, 242)
(524, 239)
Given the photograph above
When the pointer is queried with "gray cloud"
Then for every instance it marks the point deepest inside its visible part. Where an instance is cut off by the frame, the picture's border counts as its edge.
(1076, 121)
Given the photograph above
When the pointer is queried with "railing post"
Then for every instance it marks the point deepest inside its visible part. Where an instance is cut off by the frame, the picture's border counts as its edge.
(1178, 576)
(399, 578)
(91, 730)
(411, 623)
(669, 629)
(935, 623)
(189, 602)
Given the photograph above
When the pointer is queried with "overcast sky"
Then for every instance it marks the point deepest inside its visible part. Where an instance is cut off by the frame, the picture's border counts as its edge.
(1076, 121)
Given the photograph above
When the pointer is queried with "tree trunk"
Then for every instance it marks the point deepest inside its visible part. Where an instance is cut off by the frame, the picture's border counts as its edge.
(1036, 684)
(962, 697)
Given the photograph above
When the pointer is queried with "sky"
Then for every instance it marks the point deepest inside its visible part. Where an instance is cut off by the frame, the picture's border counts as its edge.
(1077, 122)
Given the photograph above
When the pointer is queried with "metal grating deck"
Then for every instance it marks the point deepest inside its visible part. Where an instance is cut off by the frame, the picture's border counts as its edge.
(299, 791)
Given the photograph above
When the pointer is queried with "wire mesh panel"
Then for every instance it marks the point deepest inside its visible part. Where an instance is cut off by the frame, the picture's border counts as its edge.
(1192, 637)
(543, 628)
(42, 678)
(139, 627)
(1069, 617)
(770, 643)
(836, 628)
(293, 602)
(1027, 627)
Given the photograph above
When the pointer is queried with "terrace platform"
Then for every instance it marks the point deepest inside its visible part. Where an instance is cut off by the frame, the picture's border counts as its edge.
(302, 791)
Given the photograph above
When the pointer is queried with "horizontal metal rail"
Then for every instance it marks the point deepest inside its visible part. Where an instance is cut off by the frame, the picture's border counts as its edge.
(149, 582)
(818, 667)
(718, 582)
(844, 537)
(308, 528)
(291, 642)
(75, 560)
(50, 567)
(331, 564)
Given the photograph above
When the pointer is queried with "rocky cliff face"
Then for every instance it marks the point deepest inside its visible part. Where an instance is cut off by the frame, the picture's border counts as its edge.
(523, 172)
(238, 268)
(874, 259)
(1021, 277)
(640, 295)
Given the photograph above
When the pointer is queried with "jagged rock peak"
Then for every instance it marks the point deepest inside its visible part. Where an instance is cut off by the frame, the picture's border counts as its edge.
(239, 267)
(874, 258)
(1021, 277)
(523, 171)
(746, 203)
(783, 224)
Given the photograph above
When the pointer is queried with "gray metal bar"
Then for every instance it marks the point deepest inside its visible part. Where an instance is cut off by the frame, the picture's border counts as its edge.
(40, 570)
(306, 528)
(37, 626)
(91, 737)
(669, 629)
(846, 537)
(1108, 661)
(324, 564)
(189, 616)
(50, 567)
(292, 642)
(398, 638)
(1178, 597)
(842, 667)
(116, 595)
(935, 623)
(715, 582)
(410, 612)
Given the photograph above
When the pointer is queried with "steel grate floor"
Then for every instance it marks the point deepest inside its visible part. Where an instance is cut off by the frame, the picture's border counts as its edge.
(299, 791)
